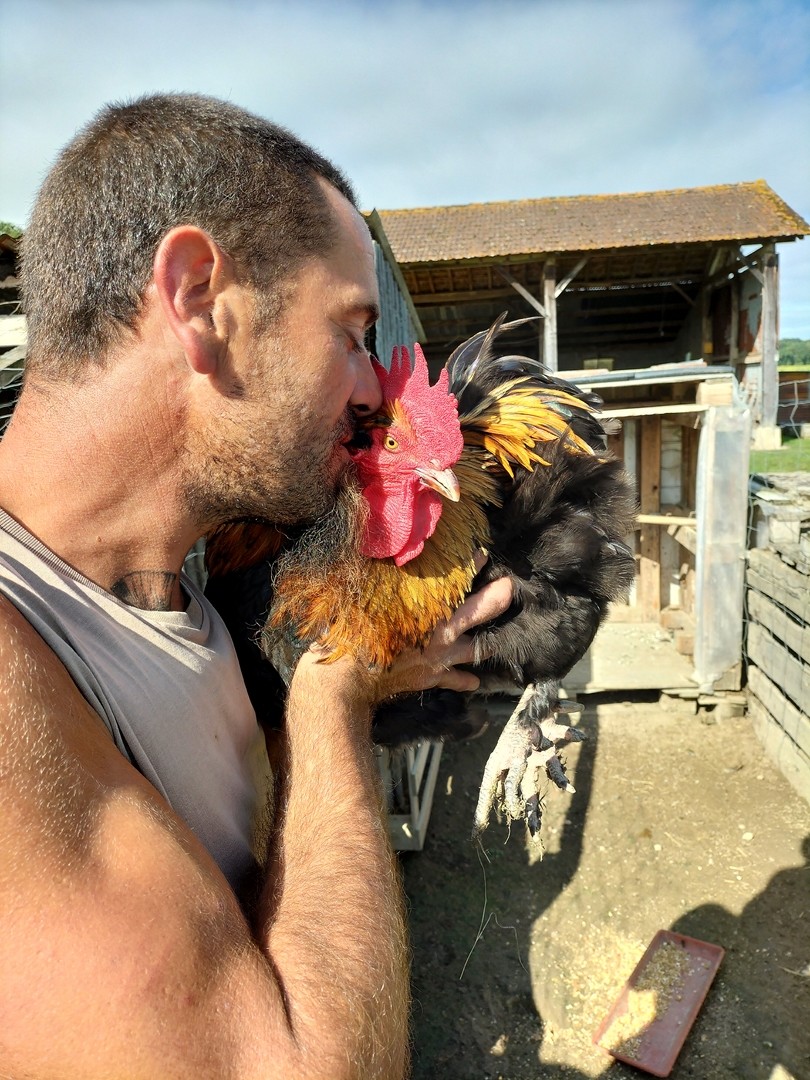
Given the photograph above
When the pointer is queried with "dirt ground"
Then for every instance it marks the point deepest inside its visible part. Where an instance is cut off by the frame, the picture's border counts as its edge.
(679, 821)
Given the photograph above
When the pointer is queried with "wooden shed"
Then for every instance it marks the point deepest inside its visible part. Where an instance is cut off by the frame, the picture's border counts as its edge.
(685, 437)
(666, 304)
(628, 281)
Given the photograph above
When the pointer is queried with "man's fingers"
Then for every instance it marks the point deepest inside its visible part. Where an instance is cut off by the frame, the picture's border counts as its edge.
(488, 603)
(458, 680)
(480, 560)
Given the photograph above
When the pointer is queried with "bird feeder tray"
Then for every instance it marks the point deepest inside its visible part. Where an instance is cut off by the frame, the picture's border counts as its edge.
(654, 1012)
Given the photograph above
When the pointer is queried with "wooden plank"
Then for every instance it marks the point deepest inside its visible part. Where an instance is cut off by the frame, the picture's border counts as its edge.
(685, 535)
(779, 665)
(715, 393)
(779, 624)
(768, 574)
(791, 761)
(793, 721)
(689, 452)
(672, 520)
(656, 381)
(651, 410)
(649, 584)
(670, 570)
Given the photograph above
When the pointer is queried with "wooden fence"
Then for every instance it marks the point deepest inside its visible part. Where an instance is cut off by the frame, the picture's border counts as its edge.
(778, 639)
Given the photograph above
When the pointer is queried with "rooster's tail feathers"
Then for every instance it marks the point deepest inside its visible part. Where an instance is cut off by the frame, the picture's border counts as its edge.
(475, 352)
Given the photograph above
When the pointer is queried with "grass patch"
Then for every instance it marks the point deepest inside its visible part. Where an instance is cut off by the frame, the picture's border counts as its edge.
(793, 456)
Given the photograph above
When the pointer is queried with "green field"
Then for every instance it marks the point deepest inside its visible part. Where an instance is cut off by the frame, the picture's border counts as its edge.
(794, 456)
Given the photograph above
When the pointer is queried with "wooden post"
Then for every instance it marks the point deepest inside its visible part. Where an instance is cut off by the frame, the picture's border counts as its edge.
(706, 336)
(770, 336)
(550, 322)
(734, 328)
(649, 581)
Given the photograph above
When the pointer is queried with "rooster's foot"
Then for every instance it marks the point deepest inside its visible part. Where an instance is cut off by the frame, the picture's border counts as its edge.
(526, 750)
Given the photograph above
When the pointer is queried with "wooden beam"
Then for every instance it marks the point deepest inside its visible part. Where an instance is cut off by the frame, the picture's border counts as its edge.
(566, 281)
(527, 296)
(770, 343)
(738, 266)
(550, 323)
(463, 296)
(685, 295)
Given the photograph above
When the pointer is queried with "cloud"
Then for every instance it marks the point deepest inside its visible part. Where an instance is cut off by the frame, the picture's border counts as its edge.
(431, 103)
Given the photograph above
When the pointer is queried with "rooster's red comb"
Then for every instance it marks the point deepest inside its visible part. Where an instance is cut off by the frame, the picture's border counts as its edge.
(432, 410)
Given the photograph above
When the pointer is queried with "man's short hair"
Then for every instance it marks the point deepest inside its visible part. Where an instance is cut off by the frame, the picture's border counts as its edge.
(138, 170)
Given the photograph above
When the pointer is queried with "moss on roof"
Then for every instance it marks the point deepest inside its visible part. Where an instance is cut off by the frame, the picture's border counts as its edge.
(745, 212)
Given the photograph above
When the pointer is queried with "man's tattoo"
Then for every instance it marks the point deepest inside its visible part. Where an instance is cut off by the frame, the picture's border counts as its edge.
(150, 590)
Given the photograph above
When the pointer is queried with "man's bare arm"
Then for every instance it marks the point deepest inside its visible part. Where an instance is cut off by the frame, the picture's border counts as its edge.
(123, 952)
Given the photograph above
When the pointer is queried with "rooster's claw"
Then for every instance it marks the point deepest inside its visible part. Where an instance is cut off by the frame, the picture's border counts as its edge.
(513, 771)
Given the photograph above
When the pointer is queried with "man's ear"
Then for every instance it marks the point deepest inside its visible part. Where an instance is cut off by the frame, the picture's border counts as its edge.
(189, 272)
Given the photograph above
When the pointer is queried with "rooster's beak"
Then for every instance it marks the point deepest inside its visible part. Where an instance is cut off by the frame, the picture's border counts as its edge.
(442, 480)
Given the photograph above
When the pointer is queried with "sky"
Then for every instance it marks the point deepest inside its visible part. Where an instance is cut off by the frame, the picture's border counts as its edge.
(450, 101)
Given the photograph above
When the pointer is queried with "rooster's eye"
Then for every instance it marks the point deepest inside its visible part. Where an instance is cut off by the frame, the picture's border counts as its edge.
(390, 443)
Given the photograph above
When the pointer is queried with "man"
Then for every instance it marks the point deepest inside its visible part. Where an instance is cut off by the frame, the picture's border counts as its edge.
(198, 284)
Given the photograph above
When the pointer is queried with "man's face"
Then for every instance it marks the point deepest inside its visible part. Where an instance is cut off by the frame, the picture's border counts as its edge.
(275, 451)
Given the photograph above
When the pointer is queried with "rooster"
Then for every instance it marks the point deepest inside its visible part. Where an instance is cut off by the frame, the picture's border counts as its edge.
(497, 456)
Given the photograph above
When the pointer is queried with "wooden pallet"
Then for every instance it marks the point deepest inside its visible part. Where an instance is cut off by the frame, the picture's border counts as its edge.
(409, 780)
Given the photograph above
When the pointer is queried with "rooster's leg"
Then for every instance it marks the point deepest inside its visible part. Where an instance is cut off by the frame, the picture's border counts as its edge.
(526, 750)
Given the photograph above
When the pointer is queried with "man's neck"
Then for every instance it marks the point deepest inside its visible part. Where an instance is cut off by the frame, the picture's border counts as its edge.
(107, 504)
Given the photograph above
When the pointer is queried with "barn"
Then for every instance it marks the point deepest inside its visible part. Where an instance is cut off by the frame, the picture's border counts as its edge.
(666, 304)
(620, 281)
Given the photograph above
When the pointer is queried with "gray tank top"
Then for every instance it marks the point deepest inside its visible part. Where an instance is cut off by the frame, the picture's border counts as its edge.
(168, 687)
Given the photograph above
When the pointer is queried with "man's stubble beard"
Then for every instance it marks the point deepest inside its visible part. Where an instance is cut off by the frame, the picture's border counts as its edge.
(289, 486)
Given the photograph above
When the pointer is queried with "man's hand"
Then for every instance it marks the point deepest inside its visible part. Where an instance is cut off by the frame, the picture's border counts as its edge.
(416, 669)
(436, 665)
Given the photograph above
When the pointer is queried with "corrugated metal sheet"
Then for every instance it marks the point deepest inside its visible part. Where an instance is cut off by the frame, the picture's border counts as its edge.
(395, 325)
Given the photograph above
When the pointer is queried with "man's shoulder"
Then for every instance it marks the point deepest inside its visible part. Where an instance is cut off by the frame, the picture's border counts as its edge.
(36, 692)
(20, 645)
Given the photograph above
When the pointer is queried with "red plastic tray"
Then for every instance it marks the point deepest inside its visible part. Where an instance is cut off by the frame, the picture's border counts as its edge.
(655, 1048)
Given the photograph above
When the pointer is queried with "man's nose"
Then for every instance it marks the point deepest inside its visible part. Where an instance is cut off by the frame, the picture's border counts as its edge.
(367, 395)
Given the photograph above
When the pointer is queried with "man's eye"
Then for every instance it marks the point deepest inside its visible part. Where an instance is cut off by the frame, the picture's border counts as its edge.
(390, 443)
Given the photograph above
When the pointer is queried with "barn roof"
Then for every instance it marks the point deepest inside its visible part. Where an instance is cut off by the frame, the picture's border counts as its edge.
(745, 212)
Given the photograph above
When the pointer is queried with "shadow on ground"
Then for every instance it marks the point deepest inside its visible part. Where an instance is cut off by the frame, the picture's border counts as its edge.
(676, 822)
